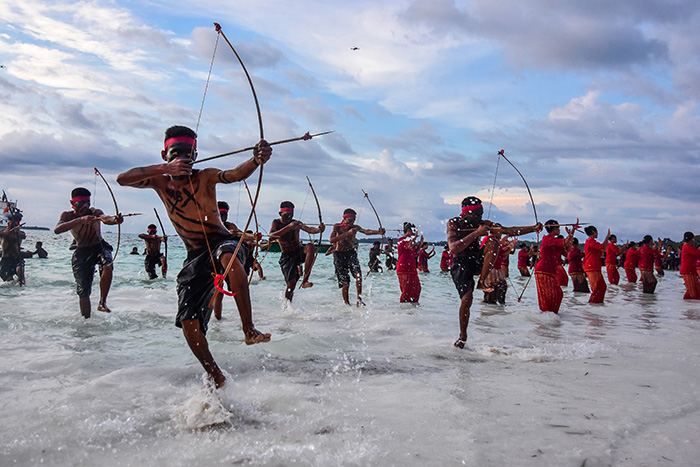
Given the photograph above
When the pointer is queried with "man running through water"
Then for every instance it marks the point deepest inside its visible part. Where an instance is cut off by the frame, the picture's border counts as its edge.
(463, 234)
(345, 256)
(294, 253)
(189, 197)
(153, 255)
(83, 222)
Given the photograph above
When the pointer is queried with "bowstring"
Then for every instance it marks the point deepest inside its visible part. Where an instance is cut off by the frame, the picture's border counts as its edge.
(493, 188)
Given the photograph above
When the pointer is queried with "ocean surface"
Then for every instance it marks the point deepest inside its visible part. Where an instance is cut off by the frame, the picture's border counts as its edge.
(616, 384)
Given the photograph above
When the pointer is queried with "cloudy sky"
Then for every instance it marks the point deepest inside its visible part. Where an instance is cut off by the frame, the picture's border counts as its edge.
(595, 102)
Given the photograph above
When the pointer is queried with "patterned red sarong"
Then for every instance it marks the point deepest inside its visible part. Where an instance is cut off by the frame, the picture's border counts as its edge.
(613, 273)
(692, 287)
(410, 287)
(549, 293)
(598, 287)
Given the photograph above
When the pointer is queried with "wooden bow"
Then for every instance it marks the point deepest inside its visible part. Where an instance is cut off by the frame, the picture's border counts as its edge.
(116, 209)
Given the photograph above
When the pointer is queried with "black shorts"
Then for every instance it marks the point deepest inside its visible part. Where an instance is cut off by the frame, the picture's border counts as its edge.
(346, 263)
(83, 264)
(151, 262)
(195, 283)
(463, 270)
(289, 263)
(8, 266)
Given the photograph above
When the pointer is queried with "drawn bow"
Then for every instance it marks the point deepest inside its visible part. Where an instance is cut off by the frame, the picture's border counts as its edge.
(116, 209)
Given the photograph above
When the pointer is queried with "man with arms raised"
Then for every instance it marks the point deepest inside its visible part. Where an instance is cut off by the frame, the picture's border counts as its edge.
(91, 249)
(463, 234)
(189, 197)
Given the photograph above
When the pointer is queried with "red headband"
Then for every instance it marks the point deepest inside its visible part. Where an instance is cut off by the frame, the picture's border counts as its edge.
(286, 209)
(180, 139)
(78, 199)
(473, 207)
(223, 210)
(349, 216)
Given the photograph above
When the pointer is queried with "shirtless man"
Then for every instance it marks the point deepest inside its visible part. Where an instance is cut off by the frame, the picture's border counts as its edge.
(345, 256)
(91, 249)
(153, 254)
(286, 230)
(463, 234)
(12, 263)
(248, 237)
(189, 197)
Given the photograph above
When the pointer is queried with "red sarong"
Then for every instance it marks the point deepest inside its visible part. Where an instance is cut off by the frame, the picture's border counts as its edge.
(631, 275)
(410, 287)
(598, 287)
(692, 287)
(613, 273)
(549, 293)
(562, 276)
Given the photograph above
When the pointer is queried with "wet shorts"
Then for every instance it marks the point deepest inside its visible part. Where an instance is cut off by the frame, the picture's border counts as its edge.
(289, 263)
(8, 266)
(463, 270)
(151, 262)
(195, 283)
(83, 264)
(346, 263)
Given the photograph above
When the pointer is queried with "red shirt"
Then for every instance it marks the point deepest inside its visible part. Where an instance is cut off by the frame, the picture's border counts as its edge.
(594, 252)
(690, 256)
(446, 260)
(406, 262)
(575, 261)
(631, 258)
(646, 258)
(611, 254)
(523, 257)
(551, 250)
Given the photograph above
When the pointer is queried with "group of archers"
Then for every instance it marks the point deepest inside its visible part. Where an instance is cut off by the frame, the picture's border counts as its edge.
(217, 251)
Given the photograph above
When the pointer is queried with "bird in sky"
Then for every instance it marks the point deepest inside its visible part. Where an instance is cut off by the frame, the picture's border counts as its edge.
(354, 48)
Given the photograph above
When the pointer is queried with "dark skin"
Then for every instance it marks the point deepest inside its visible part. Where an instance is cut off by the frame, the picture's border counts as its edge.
(153, 242)
(343, 239)
(459, 236)
(286, 230)
(11, 240)
(190, 200)
(83, 222)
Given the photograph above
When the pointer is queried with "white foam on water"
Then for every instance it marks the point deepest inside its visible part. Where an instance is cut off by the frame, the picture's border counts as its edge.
(616, 384)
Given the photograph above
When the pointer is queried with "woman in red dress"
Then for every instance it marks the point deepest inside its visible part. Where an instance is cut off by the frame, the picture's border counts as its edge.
(631, 260)
(611, 254)
(593, 265)
(578, 275)
(647, 253)
(690, 255)
(549, 293)
(406, 269)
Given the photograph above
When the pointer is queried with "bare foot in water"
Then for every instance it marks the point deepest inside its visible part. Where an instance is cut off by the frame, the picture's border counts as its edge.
(360, 302)
(460, 343)
(103, 307)
(256, 337)
(306, 284)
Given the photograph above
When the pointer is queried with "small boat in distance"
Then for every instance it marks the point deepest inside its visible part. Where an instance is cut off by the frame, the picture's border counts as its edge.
(7, 207)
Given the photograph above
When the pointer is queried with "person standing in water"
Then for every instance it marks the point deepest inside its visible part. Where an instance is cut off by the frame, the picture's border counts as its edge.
(345, 256)
(189, 196)
(552, 247)
(294, 253)
(611, 254)
(463, 234)
(647, 254)
(153, 255)
(408, 247)
(592, 264)
(12, 262)
(690, 255)
(83, 222)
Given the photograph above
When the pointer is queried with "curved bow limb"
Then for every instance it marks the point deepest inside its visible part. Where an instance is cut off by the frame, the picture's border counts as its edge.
(380, 227)
(307, 272)
(116, 209)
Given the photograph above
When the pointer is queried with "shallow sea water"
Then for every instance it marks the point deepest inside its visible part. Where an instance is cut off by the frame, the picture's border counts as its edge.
(616, 384)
